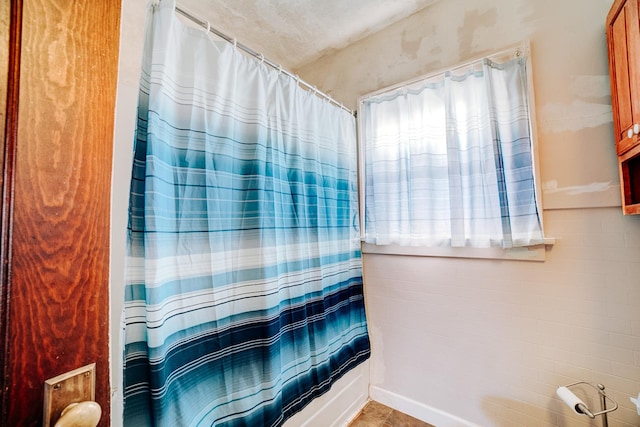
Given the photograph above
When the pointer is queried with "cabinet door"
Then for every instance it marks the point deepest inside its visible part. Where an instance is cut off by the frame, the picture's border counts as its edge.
(623, 34)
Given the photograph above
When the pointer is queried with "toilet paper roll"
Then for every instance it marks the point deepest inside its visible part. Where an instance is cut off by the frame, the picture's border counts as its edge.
(570, 399)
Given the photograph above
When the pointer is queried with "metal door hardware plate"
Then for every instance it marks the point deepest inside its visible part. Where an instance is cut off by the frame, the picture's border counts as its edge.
(73, 386)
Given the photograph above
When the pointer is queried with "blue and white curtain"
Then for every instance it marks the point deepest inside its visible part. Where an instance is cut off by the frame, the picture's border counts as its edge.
(244, 291)
(448, 161)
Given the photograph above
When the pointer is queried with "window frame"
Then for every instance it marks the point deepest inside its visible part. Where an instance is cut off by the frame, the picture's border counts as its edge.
(528, 253)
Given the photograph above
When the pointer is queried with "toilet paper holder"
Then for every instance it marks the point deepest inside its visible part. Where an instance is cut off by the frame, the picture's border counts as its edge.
(580, 407)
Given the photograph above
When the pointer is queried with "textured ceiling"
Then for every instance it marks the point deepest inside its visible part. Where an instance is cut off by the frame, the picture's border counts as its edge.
(295, 32)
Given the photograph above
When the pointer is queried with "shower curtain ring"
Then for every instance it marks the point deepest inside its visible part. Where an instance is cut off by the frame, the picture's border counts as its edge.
(207, 28)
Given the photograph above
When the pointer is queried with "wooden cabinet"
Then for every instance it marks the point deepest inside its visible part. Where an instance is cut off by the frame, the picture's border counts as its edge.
(623, 36)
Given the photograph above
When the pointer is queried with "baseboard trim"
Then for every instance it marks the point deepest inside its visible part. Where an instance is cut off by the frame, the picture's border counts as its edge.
(417, 410)
(340, 405)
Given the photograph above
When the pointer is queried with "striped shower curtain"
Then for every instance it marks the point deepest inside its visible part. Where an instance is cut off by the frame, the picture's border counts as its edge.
(244, 281)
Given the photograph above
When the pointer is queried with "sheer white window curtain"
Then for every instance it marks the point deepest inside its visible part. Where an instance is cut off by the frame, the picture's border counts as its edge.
(448, 161)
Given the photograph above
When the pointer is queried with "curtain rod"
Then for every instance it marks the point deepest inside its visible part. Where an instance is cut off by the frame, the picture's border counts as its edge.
(208, 27)
(514, 51)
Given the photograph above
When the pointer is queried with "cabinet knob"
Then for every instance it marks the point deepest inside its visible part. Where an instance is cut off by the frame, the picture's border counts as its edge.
(636, 128)
(630, 133)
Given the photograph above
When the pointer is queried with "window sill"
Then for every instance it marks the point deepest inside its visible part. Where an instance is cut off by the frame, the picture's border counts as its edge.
(528, 253)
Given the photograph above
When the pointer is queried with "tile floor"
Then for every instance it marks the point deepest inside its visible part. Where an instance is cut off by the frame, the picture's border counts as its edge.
(375, 414)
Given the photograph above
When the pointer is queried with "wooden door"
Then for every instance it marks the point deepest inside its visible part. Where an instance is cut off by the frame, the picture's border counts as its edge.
(57, 283)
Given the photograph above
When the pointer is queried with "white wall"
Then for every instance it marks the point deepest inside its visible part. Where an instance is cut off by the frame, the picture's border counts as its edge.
(131, 40)
(489, 341)
(346, 397)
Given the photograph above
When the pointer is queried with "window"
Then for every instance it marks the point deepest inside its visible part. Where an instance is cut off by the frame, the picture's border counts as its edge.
(448, 159)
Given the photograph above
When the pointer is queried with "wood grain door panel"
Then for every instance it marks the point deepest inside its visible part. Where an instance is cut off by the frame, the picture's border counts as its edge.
(58, 317)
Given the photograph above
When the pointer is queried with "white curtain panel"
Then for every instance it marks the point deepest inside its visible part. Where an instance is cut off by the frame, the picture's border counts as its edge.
(448, 161)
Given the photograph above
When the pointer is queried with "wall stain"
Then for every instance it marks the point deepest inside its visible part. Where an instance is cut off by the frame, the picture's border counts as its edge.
(410, 47)
(552, 186)
(472, 21)
(572, 117)
(430, 67)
